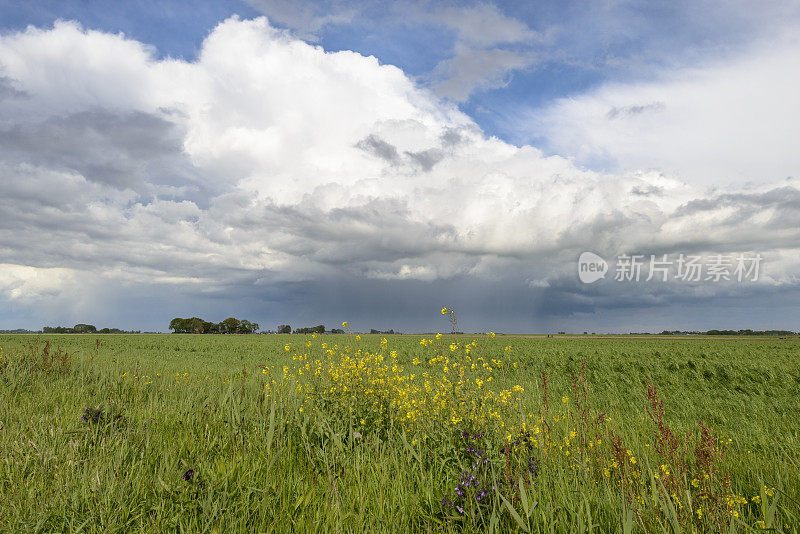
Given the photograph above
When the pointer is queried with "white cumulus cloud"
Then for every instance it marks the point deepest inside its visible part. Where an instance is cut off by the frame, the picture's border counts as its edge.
(269, 163)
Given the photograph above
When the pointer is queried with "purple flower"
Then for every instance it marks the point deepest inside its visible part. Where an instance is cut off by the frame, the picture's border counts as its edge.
(92, 415)
(188, 475)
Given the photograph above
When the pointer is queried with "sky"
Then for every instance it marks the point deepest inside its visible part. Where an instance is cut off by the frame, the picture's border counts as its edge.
(315, 162)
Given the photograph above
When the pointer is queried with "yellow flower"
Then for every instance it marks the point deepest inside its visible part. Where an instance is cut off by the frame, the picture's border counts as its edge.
(287, 347)
(344, 324)
(438, 336)
(491, 335)
(565, 399)
(358, 338)
(444, 311)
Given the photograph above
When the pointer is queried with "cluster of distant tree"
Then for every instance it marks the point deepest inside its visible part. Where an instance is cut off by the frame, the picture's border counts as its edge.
(82, 328)
(320, 329)
(195, 325)
(20, 331)
(746, 332)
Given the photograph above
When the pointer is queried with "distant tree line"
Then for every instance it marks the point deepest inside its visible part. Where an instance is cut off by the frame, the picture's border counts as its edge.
(82, 328)
(746, 332)
(320, 329)
(195, 325)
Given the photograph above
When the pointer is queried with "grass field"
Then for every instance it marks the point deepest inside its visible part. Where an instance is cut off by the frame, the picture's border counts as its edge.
(280, 433)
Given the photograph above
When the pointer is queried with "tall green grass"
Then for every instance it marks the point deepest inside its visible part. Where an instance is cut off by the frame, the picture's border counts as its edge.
(173, 403)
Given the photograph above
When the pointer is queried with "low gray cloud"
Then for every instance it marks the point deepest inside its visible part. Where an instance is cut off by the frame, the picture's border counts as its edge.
(474, 69)
(106, 147)
(308, 18)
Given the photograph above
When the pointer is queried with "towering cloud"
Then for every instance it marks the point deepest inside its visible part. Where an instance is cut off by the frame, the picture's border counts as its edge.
(271, 170)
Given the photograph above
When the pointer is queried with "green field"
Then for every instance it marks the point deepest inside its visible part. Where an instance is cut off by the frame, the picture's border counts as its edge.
(365, 448)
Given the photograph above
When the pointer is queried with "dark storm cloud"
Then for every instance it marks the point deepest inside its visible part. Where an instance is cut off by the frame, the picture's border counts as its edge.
(508, 305)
